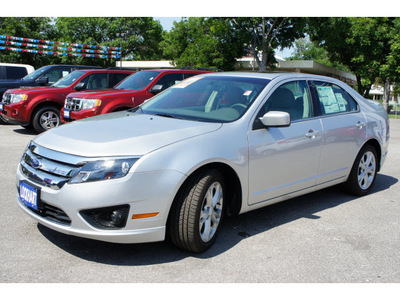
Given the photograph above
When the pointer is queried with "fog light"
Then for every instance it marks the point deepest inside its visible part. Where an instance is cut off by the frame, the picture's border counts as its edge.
(113, 217)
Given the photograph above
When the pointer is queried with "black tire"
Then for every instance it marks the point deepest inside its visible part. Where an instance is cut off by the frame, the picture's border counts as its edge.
(363, 173)
(190, 214)
(46, 118)
(3, 121)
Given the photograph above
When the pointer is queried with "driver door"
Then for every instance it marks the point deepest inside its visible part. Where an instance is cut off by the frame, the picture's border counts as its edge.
(284, 160)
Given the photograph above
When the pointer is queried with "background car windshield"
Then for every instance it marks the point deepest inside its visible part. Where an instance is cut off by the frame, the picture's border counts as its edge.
(138, 81)
(69, 79)
(207, 98)
(36, 73)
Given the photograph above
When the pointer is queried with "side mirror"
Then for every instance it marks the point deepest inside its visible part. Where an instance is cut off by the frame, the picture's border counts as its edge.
(276, 119)
(156, 89)
(43, 80)
(80, 86)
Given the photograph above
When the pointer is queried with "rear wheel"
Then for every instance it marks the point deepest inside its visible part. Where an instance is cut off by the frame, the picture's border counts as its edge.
(46, 118)
(197, 214)
(363, 174)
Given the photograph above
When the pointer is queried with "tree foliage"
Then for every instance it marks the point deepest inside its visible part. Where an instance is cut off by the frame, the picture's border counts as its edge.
(304, 49)
(364, 45)
(140, 37)
(272, 33)
(32, 27)
(204, 42)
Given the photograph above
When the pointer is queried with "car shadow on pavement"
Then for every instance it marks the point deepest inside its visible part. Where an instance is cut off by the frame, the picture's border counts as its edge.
(25, 131)
(234, 230)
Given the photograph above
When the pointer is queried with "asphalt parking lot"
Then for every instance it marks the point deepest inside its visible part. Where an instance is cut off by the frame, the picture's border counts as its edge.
(324, 237)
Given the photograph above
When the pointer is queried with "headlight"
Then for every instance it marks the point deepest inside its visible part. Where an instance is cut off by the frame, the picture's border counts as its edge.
(15, 98)
(103, 170)
(90, 103)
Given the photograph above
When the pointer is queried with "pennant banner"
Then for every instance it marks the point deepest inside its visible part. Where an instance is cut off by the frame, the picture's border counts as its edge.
(58, 48)
(100, 52)
(58, 53)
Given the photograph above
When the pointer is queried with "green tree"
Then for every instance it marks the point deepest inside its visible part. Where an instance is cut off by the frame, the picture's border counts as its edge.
(364, 45)
(269, 33)
(27, 27)
(304, 49)
(204, 42)
(140, 37)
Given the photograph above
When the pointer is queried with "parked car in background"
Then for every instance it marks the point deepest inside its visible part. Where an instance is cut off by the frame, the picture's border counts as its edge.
(43, 76)
(130, 93)
(14, 71)
(40, 106)
(213, 145)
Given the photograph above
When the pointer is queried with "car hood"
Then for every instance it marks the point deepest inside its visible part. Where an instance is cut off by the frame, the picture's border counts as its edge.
(102, 93)
(120, 134)
(35, 89)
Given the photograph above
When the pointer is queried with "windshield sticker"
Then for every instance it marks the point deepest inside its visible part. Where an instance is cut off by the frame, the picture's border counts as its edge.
(247, 93)
(186, 82)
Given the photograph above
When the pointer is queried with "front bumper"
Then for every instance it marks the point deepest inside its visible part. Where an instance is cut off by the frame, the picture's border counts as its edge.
(78, 115)
(15, 113)
(151, 192)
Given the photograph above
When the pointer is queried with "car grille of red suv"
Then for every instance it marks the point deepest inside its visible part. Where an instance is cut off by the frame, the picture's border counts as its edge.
(6, 98)
(74, 104)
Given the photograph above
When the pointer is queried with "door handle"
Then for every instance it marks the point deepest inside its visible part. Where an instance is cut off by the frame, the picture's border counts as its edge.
(360, 125)
(312, 134)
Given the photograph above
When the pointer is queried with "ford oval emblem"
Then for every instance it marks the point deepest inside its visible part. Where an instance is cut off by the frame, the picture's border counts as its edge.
(35, 163)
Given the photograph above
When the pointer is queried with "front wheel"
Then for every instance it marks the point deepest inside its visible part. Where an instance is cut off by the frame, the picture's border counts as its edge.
(46, 118)
(363, 174)
(197, 213)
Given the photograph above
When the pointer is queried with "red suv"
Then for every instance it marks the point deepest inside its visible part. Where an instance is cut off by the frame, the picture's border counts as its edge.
(131, 92)
(40, 106)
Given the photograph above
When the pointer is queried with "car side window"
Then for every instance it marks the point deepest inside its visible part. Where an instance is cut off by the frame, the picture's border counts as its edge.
(116, 78)
(96, 81)
(333, 99)
(55, 74)
(169, 80)
(15, 72)
(293, 97)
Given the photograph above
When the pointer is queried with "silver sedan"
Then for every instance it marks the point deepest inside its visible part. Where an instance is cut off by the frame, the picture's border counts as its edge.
(210, 146)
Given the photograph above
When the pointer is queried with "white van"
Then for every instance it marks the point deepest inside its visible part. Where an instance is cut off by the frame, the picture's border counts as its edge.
(14, 71)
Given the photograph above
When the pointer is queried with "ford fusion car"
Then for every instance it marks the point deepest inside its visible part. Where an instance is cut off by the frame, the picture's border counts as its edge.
(210, 146)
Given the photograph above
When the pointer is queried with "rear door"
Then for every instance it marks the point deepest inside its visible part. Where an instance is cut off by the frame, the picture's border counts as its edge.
(344, 130)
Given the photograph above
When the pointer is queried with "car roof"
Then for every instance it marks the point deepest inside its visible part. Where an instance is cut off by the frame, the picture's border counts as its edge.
(274, 75)
(178, 70)
(105, 71)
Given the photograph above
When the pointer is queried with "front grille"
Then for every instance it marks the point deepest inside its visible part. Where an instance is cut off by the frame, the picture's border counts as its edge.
(52, 213)
(73, 104)
(6, 98)
(48, 168)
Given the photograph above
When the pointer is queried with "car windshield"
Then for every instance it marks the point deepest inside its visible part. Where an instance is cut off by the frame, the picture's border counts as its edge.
(36, 74)
(206, 98)
(138, 81)
(69, 79)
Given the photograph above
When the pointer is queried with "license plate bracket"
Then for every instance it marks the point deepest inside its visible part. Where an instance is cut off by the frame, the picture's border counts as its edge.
(29, 195)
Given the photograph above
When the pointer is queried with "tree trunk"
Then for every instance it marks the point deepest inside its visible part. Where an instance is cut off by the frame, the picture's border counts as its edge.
(360, 87)
(386, 95)
(263, 65)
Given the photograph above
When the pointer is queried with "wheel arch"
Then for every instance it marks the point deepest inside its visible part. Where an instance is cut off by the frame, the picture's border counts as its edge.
(233, 186)
(39, 105)
(374, 143)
